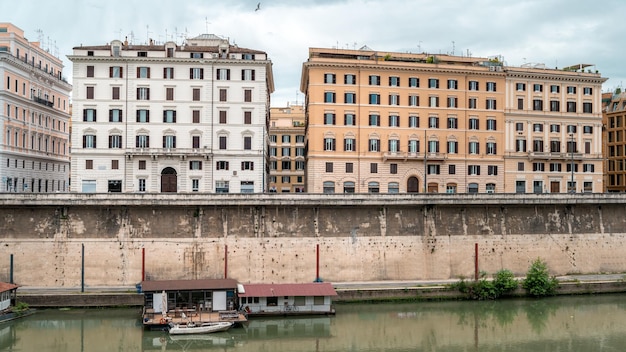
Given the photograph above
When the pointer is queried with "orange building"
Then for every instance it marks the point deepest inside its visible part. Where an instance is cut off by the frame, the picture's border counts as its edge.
(399, 122)
(615, 142)
(286, 149)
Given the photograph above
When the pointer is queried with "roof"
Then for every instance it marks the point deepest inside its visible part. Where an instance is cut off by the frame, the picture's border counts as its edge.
(5, 286)
(187, 285)
(270, 290)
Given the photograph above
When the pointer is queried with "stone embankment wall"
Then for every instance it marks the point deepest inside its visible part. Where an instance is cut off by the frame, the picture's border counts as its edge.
(279, 238)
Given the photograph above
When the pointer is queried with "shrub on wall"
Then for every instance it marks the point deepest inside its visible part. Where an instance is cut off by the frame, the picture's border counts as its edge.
(538, 281)
(503, 282)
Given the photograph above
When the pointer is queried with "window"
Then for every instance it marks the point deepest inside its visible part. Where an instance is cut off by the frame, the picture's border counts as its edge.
(143, 115)
(248, 75)
(195, 93)
(349, 79)
(329, 97)
(195, 165)
(89, 115)
(90, 72)
(394, 121)
(247, 143)
(300, 165)
(473, 85)
(329, 144)
(453, 147)
(554, 88)
(329, 167)
(472, 103)
(393, 187)
(169, 116)
(115, 72)
(115, 142)
(90, 92)
(247, 95)
(223, 94)
(452, 123)
(374, 99)
(374, 120)
(414, 100)
(433, 83)
(571, 128)
(587, 129)
(491, 86)
(587, 90)
(414, 82)
(169, 141)
(195, 142)
(473, 170)
(349, 144)
(492, 170)
(520, 103)
(538, 145)
(433, 122)
(223, 74)
(491, 148)
(143, 72)
(452, 102)
(555, 146)
(221, 165)
(286, 151)
(223, 141)
(490, 104)
(491, 125)
(433, 101)
(414, 146)
(286, 138)
(348, 120)
(433, 146)
(349, 168)
(539, 167)
(537, 87)
(394, 99)
(474, 147)
(89, 164)
(349, 98)
(143, 93)
(587, 108)
(222, 186)
(520, 87)
(394, 145)
(142, 141)
(89, 141)
(247, 165)
(374, 145)
(571, 90)
(434, 169)
(168, 72)
(414, 121)
(115, 93)
(374, 80)
(285, 179)
(374, 168)
(555, 167)
(393, 168)
(247, 117)
(142, 164)
(394, 81)
(537, 127)
(473, 124)
(329, 187)
(329, 118)
(453, 84)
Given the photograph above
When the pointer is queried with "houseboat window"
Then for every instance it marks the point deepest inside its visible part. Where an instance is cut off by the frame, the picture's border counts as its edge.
(318, 300)
(272, 301)
(299, 301)
(256, 299)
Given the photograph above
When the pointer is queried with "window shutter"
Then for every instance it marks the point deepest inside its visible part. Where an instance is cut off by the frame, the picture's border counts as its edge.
(111, 115)
(174, 116)
(110, 141)
(253, 76)
(111, 72)
(164, 115)
(164, 138)
(191, 73)
(228, 74)
(201, 73)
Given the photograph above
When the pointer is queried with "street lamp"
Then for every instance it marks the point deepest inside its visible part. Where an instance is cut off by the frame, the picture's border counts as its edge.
(572, 187)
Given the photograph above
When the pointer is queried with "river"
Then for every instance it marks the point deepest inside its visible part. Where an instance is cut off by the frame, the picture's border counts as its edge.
(561, 324)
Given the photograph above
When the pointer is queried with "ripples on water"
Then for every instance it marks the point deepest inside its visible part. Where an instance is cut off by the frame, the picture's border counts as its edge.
(563, 324)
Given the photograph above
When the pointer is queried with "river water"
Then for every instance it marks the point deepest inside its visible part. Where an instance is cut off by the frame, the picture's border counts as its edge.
(558, 324)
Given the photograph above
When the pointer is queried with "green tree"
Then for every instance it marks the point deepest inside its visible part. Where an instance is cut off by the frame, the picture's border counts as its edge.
(538, 281)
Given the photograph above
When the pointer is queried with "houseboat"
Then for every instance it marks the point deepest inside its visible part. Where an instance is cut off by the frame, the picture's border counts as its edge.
(187, 301)
(286, 299)
(8, 310)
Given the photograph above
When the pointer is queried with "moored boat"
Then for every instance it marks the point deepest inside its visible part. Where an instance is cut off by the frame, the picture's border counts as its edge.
(202, 328)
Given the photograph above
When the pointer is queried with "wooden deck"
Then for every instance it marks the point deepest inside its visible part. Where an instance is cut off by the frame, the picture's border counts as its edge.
(180, 316)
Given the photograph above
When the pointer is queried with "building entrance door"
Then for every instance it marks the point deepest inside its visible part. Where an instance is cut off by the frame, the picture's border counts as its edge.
(412, 185)
(555, 187)
(168, 180)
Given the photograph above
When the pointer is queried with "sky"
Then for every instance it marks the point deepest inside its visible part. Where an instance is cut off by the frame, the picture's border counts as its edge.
(556, 33)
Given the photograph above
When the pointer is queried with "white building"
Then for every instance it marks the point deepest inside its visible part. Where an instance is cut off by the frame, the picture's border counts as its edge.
(170, 118)
(34, 116)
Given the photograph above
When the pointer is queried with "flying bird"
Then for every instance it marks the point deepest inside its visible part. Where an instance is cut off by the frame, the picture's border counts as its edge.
(258, 7)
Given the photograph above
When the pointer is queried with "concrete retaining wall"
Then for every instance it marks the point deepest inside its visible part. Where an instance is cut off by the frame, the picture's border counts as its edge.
(274, 238)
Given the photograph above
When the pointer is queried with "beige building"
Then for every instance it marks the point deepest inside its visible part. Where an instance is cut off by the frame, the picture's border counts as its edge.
(553, 129)
(399, 122)
(615, 143)
(34, 116)
(286, 149)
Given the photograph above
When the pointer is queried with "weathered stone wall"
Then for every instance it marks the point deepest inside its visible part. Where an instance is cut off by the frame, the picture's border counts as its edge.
(274, 238)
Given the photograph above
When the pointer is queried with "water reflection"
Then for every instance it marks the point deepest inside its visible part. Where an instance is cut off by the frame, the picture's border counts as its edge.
(585, 323)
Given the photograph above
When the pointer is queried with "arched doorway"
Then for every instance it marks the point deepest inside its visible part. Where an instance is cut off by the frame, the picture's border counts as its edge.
(168, 180)
(412, 185)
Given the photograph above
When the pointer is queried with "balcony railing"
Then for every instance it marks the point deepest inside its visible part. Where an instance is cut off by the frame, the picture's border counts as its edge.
(43, 102)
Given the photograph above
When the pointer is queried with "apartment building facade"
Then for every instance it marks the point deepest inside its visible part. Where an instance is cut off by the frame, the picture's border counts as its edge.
(286, 149)
(553, 130)
(34, 116)
(170, 118)
(400, 122)
(614, 119)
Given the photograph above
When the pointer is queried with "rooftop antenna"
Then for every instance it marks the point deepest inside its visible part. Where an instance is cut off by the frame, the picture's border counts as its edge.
(119, 34)
(132, 37)
(148, 34)
(453, 48)
(206, 22)
(419, 46)
(39, 36)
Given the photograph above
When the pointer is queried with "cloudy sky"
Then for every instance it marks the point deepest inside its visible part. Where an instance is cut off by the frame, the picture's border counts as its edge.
(557, 33)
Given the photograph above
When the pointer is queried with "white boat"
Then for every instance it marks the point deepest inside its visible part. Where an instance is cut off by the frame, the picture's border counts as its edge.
(202, 328)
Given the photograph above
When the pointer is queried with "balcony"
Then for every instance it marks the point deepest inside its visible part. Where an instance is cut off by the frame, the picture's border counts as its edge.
(43, 102)
(554, 156)
(436, 156)
(180, 152)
